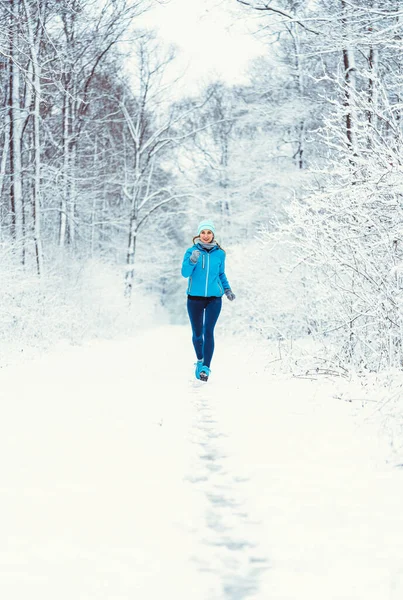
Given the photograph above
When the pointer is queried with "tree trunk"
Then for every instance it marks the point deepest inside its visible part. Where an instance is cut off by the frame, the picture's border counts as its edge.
(16, 123)
(373, 63)
(134, 221)
(71, 212)
(94, 197)
(131, 250)
(36, 91)
(372, 97)
(299, 154)
(223, 183)
(4, 154)
(65, 192)
(349, 79)
(37, 178)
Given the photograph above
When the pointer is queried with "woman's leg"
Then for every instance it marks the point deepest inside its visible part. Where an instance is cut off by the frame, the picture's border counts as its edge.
(195, 312)
(213, 310)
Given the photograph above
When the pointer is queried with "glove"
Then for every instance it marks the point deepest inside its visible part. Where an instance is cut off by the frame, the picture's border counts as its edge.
(230, 295)
(194, 257)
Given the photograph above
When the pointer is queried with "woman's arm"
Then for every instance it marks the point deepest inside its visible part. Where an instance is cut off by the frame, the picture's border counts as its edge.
(222, 275)
(187, 265)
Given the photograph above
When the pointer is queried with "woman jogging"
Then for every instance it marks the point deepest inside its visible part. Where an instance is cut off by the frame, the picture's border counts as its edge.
(204, 265)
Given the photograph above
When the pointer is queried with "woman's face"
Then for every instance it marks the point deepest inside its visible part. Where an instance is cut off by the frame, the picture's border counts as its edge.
(206, 236)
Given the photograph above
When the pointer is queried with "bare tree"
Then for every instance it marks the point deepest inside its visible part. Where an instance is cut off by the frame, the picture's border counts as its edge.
(17, 114)
(88, 38)
(35, 22)
(151, 132)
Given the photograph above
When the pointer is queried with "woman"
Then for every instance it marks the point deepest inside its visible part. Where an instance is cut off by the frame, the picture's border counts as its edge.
(204, 265)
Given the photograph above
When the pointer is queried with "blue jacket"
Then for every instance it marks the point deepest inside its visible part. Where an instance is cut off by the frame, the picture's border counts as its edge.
(206, 277)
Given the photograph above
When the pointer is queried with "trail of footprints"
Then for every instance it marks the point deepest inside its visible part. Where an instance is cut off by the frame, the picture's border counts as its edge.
(227, 546)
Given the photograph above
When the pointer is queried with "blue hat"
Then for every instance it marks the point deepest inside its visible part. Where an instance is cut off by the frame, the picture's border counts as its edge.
(206, 225)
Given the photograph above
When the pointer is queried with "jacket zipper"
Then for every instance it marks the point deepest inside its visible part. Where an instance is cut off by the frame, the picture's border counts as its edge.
(203, 257)
(207, 274)
(190, 284)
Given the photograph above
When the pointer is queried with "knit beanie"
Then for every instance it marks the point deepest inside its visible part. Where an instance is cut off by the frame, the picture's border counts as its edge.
(206, 225)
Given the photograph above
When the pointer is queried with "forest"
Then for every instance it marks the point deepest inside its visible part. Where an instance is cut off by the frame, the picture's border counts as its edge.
(105, 172)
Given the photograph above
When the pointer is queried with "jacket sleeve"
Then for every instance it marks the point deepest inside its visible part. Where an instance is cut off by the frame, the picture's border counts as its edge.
(222, 275)
(187, 266)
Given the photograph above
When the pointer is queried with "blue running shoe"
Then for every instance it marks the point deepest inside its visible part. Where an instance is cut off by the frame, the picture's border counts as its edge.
(198, 366)
(204, 373)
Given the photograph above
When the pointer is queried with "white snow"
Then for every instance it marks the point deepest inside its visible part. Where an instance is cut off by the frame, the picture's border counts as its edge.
(123, 478)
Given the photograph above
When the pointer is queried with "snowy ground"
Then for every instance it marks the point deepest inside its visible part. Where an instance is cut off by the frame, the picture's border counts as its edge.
(121, 478)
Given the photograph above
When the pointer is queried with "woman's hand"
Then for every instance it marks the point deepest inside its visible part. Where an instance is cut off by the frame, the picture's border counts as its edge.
(194, 257)
(230, 295)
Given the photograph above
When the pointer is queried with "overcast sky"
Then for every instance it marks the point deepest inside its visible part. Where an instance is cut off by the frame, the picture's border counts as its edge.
(213, 37)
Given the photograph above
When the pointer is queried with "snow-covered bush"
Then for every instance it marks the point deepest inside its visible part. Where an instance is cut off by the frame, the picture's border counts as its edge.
(345, 245)
(73, 301)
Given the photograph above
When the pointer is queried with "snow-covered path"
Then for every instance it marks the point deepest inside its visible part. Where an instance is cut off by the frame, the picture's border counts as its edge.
(122, 479)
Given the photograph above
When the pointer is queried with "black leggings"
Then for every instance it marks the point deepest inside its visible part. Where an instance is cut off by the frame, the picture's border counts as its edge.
(203, 315)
